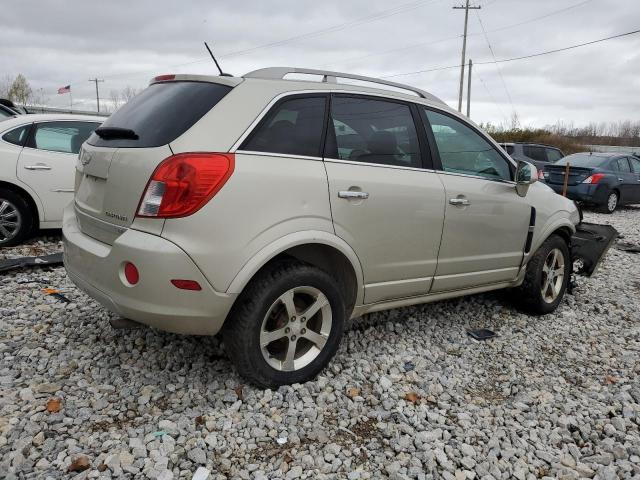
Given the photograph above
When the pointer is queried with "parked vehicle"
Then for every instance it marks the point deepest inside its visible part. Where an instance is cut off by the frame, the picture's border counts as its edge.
(605, 180)
(537, 154)
(38, 154)
(6, 112)
(273, 210)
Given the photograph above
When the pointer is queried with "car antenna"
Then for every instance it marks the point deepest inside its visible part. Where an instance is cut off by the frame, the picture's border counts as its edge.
(222, 74)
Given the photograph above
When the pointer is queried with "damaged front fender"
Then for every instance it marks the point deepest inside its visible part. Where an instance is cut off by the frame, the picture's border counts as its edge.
(589, 245)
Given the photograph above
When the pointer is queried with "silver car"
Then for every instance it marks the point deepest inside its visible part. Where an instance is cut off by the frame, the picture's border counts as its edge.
(272, 210)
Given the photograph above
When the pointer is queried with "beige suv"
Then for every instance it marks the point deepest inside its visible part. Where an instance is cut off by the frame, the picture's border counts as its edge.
(273, 209)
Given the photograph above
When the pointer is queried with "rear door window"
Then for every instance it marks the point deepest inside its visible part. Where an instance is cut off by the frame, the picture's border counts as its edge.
(373, 131)
(292, 127)
(17, 136)
(64, 137)
(535, 153)
(462, 150)
(635, 163)
(161, 113)
(624, 165)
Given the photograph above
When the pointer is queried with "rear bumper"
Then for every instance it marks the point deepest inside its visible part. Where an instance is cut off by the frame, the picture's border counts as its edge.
(583, 192)
(97, 269)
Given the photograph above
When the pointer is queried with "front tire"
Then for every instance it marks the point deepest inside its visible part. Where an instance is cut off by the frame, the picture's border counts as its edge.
(16, 218)
(286, 326)
(546, 279)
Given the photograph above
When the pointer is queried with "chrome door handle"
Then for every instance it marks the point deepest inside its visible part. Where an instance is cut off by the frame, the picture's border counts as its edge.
(39, 166)
(459, 201)
(353, 194)
(621, 179)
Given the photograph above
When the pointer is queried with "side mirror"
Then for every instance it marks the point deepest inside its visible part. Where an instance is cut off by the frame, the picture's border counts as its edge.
(526, 174)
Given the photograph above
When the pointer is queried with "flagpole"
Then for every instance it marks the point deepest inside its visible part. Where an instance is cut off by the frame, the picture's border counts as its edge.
(70, 101)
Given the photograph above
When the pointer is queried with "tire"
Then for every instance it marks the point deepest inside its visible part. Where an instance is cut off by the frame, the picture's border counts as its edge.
(529, 296)
(16, 218)
(261, 327)
(611, 203)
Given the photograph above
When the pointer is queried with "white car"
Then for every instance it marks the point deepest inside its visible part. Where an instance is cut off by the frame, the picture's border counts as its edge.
(38, 155)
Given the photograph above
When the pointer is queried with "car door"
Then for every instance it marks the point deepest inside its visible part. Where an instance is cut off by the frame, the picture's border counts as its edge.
(635, 166)
(486, 221)
(628, 181)
(386, 201)
(47, 162)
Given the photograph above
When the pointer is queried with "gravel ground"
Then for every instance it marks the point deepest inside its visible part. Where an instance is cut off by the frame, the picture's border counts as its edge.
(409, 395)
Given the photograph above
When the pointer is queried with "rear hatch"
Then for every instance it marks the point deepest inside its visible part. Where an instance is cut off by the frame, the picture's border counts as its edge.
(117, 161)
(555, 174)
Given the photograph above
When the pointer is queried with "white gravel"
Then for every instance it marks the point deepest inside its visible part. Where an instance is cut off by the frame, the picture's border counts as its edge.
(409, 395)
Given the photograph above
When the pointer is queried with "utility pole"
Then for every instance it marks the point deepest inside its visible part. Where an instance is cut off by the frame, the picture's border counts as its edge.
(466, 9)
(469, 90)
(96, 80)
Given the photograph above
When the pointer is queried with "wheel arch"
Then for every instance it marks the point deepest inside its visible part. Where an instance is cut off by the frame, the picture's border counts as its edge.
(30, 198)
(320, 249)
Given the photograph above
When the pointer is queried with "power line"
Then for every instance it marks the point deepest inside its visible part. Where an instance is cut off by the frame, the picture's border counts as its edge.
(336, 28)
(504, 60)
(504, 84)
(472, 34)
(356, 22)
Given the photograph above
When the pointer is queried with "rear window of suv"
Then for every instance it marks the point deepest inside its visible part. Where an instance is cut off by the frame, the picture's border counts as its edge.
(161, 113)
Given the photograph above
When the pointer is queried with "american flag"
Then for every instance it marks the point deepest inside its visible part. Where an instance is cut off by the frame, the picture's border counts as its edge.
(66, 89)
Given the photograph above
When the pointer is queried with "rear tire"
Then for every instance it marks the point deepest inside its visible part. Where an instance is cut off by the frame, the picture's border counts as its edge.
(547, 276)
(269, 338)
(611, 203)
(16, 218)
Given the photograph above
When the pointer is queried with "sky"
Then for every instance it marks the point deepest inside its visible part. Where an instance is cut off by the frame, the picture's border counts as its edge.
(126, 43)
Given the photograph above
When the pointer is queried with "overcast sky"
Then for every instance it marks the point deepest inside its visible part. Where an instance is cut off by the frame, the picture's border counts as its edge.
(55, 43)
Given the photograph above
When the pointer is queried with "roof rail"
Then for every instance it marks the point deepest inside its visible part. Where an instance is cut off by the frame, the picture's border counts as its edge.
(278, 73)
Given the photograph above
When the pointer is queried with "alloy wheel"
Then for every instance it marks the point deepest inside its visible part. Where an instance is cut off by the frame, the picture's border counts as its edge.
(612, 201)
(10, 221)
(296, 328)
(552, 276)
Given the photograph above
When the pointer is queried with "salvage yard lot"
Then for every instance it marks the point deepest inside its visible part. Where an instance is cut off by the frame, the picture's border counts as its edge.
(409, 394)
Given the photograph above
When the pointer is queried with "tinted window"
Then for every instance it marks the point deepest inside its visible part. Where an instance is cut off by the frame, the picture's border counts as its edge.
(293, 127)
(374, 131)
(554, 155)
(509, 149)
(635, 163)
(462, 150)
(535, 153)
(17, 136)
(65, 137)
(584, 160)
(162, 112)
(4, 114)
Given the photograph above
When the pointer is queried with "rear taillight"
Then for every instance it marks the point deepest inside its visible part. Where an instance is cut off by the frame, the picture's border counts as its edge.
(164, 78)
(183, 183)
(595, 178)
(540, 174)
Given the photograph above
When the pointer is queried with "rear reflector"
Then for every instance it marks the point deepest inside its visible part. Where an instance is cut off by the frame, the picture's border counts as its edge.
(183, 183)
(595, 178)
(131, 273)
(186, 284)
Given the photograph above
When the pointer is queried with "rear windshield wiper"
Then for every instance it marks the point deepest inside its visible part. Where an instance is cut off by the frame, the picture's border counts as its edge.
(113, 133)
